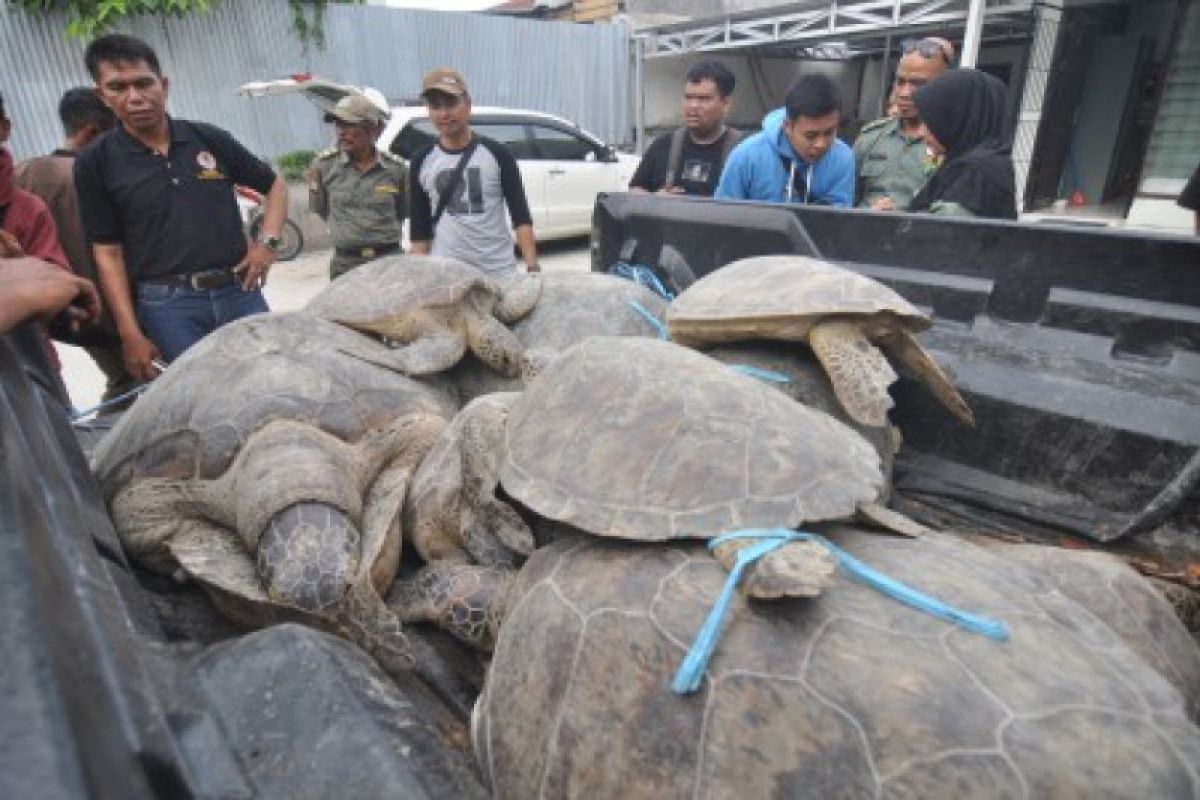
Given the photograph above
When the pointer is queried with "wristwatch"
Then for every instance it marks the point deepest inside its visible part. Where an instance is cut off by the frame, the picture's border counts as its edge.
(270, 242)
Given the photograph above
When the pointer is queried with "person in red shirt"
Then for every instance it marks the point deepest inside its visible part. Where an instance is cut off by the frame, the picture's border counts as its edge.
(26, 226)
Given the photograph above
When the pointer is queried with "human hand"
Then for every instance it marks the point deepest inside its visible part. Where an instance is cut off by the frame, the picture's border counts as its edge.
(140, 355)
(30, 287)
(254, 267)
(883, 204)
(9, 246)
(671, 190)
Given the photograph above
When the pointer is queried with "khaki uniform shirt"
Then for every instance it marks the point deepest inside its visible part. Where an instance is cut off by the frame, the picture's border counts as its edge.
(362, 208)
(891, 163)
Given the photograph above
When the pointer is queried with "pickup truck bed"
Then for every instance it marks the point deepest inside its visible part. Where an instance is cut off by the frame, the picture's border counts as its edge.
(1078, 349)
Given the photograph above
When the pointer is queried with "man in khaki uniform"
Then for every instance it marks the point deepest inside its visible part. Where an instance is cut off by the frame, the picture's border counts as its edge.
(358, 189)
(892, 160)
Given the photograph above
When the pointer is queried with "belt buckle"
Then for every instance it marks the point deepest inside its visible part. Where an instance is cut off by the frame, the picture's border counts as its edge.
(206, 280)
(367, 252)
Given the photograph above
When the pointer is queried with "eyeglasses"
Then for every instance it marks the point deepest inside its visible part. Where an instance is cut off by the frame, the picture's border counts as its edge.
(928, 48)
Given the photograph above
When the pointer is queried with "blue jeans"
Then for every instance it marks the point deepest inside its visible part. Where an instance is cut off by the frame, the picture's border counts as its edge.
(175, 317)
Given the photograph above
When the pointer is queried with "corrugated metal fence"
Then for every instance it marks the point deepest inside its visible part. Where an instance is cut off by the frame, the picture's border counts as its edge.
(580, 72)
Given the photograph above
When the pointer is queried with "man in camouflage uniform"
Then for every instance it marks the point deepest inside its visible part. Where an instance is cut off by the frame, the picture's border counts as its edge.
(358, 189)
(892, 160)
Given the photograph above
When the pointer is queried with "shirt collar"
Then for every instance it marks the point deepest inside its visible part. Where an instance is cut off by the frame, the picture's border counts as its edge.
(344, 159)
(179, 133)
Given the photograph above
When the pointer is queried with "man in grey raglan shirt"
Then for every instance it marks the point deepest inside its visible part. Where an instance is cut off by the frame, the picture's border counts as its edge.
(459, 213)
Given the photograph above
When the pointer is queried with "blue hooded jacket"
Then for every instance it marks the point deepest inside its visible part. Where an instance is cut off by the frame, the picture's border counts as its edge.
(756, 170)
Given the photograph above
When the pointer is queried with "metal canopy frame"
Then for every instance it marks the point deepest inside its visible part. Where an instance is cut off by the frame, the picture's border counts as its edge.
(821, 24)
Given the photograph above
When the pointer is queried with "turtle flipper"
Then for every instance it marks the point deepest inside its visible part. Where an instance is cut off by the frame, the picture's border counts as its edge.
(893, 521)
(796, 569)
(858, 370)
(492, 531)
(462, 599)
(518, 296)
(533, 361)
(367, 621)
(494, 344)
(904, 347)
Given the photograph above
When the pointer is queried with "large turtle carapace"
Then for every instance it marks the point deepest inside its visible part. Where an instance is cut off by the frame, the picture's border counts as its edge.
(842, 315)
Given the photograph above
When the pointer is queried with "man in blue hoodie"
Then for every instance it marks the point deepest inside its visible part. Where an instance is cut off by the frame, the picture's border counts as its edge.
(796, 157)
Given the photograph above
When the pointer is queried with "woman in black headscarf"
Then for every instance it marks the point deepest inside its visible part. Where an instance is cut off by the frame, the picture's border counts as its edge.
(963, 113)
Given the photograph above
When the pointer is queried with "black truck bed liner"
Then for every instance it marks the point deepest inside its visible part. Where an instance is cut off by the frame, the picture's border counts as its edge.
(1078, 348)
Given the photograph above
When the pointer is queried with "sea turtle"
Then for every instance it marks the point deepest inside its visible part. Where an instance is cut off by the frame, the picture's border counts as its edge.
(573, 306)
(451, 513)
(271, 467)
(850, 694)
(642, 439)
(434, 309)
(841, 314)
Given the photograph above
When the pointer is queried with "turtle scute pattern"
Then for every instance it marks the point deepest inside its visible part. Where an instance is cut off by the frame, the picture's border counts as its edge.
(847, 695)
(780, 297)
(644, 439)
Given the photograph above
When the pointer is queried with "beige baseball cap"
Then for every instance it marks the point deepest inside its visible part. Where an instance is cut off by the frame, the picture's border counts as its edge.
(445, 80)
(355, 109)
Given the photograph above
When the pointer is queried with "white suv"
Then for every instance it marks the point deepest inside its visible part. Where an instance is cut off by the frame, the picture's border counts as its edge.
(562, 166)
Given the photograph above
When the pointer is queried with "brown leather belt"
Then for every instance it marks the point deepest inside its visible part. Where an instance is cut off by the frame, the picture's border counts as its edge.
(200, 281)
(368, 250)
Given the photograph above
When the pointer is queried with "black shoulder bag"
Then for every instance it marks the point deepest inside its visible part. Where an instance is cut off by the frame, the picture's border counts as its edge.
(455, 179)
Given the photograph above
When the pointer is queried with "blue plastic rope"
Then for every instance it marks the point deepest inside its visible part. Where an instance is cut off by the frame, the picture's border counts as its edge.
(691, 671)
(769, 375)
(658, 324)
(76, 416)
(642, 275)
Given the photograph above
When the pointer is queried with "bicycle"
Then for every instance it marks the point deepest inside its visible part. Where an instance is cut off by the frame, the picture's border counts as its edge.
(250, 204)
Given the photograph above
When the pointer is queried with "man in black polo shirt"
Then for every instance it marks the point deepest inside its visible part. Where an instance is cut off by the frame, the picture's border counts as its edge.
(156, 198)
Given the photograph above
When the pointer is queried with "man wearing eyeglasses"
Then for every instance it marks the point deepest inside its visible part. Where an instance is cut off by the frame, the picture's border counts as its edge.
(892, 160)
(357, 188)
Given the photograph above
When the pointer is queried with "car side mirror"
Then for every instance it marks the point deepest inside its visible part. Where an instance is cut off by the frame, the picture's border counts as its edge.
(608, 155)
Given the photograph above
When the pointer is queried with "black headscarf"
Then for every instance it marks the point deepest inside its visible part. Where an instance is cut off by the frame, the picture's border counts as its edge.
(964, 110)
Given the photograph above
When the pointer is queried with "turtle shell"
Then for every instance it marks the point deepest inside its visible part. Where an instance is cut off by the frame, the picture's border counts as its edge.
(283, 366)
(849, 694)
(780, 297)
(573, 306)
(643, 439)
(381, 295)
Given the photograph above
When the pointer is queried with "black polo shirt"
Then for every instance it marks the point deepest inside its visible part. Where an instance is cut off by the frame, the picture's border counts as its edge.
(171, 215)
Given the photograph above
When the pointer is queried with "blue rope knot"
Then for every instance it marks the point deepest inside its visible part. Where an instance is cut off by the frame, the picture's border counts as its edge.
(642, 275)
(691, 671)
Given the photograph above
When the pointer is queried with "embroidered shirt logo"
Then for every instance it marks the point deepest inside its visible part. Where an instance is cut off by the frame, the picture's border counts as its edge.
(208, 167)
